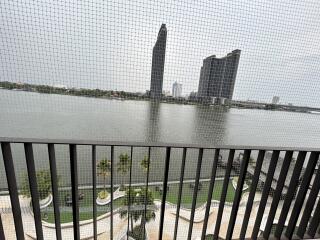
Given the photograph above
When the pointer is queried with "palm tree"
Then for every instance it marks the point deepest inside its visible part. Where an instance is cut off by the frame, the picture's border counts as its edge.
(137, 201)
(124, 163)
(144, 163)
(104, 169)
(123, 166)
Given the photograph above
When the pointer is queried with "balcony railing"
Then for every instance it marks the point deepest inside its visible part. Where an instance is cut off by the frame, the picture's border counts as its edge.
(275, 196)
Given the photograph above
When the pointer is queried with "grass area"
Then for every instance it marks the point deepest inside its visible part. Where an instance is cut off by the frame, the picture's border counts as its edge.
(66, 216)
(85, 205)
(187, 193)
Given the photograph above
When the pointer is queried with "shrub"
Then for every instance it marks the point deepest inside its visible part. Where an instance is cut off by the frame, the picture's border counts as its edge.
(103, 194)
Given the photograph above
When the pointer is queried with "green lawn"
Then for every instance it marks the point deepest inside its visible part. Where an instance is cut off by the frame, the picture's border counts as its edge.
(85, 205)
(67, 216)
(86, 202)
(187, 193)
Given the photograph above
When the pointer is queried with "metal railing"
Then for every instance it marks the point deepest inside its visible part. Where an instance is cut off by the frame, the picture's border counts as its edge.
(301, 199)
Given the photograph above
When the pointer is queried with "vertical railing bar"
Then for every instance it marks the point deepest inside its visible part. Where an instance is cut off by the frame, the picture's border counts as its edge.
(129, 193)
(315, 221)
(302, 193)
(253, 188)
(223, 193)
(13, 191)
(277, 193)
(265, 193)
(74, 185)
(111, 196)
(195, 193)
(183, 163)
(165, 188)
(210, 190)
(33, 189)
(309, 206)
(94, 192)
(55, 193)
(146, 193)
(290, 193)
(1, 229)
(237, 196)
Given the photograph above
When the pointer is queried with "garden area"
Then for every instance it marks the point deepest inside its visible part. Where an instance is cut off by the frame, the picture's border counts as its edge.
(86, 206)
(120, 193)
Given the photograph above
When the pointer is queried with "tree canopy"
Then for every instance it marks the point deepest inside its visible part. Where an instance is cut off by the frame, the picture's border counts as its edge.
(138, 199)
(123, 166)
(144, 163)
(104, 169)
(43, 182)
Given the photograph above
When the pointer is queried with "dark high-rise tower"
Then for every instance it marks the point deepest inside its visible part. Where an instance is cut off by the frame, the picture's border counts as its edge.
(218, 76)
(158, 57)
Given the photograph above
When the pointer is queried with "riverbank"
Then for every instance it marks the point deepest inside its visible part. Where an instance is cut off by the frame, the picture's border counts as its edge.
(85, 92)
(140, 96)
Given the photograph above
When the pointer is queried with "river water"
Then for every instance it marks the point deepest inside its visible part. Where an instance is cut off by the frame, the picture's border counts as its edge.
(33, 115)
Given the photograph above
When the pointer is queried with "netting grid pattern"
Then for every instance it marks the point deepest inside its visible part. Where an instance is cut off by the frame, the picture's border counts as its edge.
(210, 73)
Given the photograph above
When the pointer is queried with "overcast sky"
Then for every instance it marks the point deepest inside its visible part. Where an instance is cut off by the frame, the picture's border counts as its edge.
(108, 44)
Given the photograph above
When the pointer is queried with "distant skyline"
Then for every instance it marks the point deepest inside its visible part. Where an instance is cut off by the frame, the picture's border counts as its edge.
(108, 45)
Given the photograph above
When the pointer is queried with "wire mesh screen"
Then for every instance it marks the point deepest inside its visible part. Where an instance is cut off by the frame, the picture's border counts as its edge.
(121, 55)
(208, 73)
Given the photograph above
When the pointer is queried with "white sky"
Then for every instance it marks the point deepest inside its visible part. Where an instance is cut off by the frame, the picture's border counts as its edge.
(108, 44)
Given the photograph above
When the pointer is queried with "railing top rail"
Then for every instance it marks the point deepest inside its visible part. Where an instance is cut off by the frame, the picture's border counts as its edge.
(153, 144)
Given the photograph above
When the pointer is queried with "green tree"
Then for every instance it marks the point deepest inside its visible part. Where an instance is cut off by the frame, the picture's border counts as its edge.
(104, 169)
(137, 201)
(144, 163)
(43, 182)
(123, 166)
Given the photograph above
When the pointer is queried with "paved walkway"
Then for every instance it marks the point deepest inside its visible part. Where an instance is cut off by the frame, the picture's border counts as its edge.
(120, 225)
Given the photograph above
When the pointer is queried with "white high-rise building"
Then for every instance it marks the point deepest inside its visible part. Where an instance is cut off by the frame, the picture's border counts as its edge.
(176, 89)
(275, 100)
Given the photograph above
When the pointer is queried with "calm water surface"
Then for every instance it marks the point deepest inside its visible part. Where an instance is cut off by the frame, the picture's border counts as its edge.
(34, 115)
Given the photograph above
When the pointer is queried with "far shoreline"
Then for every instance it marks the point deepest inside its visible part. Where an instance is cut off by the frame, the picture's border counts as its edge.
(131, 96)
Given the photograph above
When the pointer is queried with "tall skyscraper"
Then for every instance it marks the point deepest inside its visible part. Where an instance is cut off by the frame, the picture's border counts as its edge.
(176, 89)
(218, 76)
(158, 58)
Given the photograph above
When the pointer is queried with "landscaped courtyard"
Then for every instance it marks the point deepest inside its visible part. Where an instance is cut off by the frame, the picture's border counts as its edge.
(86, 206)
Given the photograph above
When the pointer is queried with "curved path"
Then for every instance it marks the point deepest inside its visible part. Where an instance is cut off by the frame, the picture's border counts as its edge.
(120, 225)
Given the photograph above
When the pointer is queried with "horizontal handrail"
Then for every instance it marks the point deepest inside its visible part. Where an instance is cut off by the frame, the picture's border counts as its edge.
(302, 168)
(155, 144)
